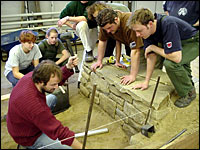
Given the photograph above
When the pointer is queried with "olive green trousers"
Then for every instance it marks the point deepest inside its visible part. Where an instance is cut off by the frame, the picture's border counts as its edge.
(180, 73)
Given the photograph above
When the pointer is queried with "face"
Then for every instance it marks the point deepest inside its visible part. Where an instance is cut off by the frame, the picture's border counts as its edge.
(111, 28)
(142, 30)
(27, 46)
(51, 85)
(52, 38)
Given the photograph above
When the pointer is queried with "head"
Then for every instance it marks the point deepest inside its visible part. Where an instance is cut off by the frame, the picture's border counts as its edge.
(95, 8)
(27, 39)
(108, 19)
(47, 75)
(142, 22)
(52, 35)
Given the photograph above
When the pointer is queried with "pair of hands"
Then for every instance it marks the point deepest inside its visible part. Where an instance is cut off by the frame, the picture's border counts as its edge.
(63, 21)
(125, 80)
(72, 62)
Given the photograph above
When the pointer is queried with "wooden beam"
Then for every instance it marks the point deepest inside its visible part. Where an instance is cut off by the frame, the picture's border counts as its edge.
(5, 97)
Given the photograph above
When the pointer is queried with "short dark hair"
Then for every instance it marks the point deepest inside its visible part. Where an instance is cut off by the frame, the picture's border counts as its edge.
(106, 16)
(44, 70)
(52, 29)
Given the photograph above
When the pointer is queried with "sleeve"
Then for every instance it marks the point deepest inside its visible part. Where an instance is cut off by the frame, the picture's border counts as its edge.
(13, 59)
(60, 46)
(148, 42)
(53, 128)
(38, 54)
(66, 74)
(171, 37)
(134, 41)
(103, 36)
(42, 47)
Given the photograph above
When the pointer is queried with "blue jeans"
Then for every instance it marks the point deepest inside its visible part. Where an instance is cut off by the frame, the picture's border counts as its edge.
(14, 80)
(43, 141)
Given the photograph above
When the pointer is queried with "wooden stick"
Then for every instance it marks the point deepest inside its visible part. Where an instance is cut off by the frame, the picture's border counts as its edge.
(89, 115)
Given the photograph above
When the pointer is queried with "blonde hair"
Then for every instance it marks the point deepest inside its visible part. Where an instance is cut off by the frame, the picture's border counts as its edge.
(142, 16)
(97, 6)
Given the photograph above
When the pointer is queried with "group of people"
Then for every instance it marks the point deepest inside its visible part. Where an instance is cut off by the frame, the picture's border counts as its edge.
(160, 39)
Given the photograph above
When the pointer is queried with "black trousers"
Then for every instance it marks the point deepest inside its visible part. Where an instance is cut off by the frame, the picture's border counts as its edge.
(111, 43)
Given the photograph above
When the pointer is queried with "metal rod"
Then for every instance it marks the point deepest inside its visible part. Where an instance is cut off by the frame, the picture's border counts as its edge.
(172, 139)
(154, 93)
(29, 21)
(30, 14)
(89, 115)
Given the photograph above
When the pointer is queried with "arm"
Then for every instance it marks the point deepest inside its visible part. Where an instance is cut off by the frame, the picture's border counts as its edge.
(76, 144)
(135, 63)
(101, 52)
(65, 55)
(151, 61)
(174, 56)
(118, 55)
(68, 19)
(16, 73)
(35, 62)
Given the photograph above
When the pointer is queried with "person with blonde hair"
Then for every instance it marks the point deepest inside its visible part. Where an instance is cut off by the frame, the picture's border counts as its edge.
(22, 58)
(179, 45)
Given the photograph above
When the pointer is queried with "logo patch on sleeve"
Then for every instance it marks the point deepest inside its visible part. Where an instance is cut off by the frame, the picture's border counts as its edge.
(132, 44)
(169, 44)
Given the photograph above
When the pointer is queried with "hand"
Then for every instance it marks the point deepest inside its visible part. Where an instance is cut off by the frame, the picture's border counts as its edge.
(96, 65)
(141, 86)
(72, 62)
(126, 80)
(61, 22)
(120, 65)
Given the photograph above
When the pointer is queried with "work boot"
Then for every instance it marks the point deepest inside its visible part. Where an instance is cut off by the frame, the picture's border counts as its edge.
(89, 56)
(186, 100)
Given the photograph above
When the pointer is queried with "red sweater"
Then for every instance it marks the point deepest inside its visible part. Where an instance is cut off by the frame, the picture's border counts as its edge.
(29, 116)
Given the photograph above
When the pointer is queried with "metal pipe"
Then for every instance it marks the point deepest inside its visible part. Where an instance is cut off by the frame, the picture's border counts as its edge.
(92, 132)
(28, 22)
(29, 14)
(89, 115)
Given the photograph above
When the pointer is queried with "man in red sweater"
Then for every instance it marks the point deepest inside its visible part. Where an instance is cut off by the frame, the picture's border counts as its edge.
(29, 119)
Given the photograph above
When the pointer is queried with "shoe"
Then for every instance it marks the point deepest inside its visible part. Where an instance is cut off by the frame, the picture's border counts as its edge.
(89, 56)
(79, 84)
(186, 100)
